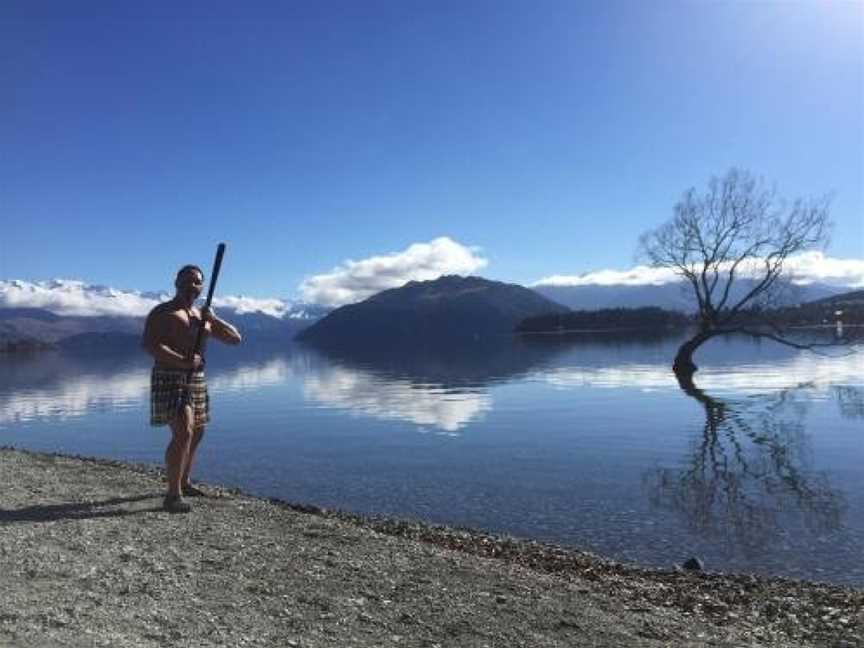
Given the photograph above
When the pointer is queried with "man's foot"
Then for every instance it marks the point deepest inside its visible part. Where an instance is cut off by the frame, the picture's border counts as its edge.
(175, 504)
(190, 491)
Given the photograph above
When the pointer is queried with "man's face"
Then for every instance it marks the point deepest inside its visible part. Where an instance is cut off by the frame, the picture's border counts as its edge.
(190, 284)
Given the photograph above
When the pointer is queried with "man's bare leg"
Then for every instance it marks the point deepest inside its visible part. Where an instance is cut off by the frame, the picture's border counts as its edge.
(185, 484)
(177, 452)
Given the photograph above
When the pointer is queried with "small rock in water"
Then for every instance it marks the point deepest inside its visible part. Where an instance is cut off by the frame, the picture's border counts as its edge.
(693, 564)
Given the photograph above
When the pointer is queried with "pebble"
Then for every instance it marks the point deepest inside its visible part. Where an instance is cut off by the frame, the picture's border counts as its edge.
(693, 564)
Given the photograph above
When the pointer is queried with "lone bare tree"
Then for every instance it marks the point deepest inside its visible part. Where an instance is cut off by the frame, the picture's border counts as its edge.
(730, 244)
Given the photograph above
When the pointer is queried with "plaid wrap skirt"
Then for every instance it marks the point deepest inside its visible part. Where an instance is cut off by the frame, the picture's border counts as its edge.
(169, 393)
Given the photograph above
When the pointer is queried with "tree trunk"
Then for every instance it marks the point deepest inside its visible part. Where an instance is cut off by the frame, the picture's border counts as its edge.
(684, 367)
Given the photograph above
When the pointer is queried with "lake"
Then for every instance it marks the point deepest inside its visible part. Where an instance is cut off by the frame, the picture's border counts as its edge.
(585, 441)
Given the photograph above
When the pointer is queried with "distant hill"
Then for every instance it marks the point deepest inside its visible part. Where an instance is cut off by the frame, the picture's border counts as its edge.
(849, 305)
(261, 329)
(47, 327)
(13, 342)
(669, 296)
(672, 296)
(448, 310)
(110, 342)
(846, 307)
(39, 314)
(607, 319)
(853, 298)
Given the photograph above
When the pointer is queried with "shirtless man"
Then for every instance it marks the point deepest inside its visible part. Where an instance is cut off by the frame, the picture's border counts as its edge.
(169, 336)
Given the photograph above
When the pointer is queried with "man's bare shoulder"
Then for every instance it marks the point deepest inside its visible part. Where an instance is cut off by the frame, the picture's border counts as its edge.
(165, 308)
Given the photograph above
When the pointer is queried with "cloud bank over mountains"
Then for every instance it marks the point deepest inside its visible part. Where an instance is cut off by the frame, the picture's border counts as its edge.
(353, 281)
(273, 307)
(805, 268)
(811, 267)
(75, 298)
(638, 276)
(72, 298)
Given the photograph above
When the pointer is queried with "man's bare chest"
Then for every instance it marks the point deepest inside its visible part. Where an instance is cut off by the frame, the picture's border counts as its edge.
(182, 327)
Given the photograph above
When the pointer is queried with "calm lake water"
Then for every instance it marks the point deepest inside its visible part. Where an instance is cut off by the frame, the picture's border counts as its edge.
(587, 442)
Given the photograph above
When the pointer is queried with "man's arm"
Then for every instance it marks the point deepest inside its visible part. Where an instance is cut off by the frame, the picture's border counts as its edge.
(220, 329)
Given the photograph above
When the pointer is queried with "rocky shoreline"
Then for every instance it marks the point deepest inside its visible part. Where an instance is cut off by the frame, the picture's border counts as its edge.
(87, 558)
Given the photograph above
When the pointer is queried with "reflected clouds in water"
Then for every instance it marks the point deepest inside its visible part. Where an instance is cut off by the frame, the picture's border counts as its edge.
(253, 375)
(442, 389)
(851, 401)
(364, 392)
(74, 396)
(57, 388)
(816, 372)
(72, 389)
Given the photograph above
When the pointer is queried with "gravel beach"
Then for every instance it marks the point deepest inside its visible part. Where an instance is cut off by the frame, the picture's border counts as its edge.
(88, 558)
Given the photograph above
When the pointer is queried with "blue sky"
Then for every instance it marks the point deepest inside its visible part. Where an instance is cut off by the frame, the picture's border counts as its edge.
(543, 136)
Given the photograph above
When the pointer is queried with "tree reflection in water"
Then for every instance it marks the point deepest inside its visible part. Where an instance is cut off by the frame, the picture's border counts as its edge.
(851, 401)
(750, 471)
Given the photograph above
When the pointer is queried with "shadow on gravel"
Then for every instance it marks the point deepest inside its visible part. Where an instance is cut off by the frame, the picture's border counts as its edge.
(77, 510)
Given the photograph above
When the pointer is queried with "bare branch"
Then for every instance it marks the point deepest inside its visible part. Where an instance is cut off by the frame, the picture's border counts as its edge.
(780, 339)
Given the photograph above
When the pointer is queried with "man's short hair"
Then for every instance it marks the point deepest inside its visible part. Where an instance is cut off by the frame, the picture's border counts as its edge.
(189, 268)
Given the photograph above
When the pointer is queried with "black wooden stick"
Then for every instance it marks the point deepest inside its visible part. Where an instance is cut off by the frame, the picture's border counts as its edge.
(217, 265)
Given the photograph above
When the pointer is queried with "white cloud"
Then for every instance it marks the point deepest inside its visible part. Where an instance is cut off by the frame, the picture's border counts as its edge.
(812, 267)
(638, 276)
(356, 280)
(242, 305)
(805, 268)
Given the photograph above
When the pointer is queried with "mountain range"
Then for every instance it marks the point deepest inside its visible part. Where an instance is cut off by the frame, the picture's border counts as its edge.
(36, 328)
(450, 308)
(670, 296)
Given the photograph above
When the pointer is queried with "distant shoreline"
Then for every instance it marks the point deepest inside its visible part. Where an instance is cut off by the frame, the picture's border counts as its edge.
(669, 332)
(624, 329)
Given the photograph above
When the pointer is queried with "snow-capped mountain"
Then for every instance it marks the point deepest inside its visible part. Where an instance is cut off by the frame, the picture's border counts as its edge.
(63, 310)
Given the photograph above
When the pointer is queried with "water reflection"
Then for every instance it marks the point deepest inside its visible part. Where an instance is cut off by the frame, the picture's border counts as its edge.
(367, 393)
(748, 376)
(56, 386)
(851, 401)
(449, 367)
(441, 390)
(445, 389)
(65, 398)
(749, 471)
(254, 375)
